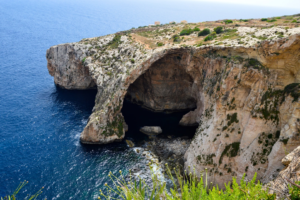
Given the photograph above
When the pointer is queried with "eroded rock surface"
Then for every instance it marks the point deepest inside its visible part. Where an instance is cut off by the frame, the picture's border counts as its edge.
(245, 93)
(280, 184)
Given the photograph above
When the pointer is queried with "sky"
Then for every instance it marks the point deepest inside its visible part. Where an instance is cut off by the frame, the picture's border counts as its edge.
(269, 3)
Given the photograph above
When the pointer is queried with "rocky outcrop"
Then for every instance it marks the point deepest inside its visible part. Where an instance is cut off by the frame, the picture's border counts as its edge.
(151, 130)
(65, 64)
(280, 185)
(245, 97)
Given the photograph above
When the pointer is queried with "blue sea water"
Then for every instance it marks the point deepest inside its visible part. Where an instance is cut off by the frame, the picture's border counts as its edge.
(40, 124)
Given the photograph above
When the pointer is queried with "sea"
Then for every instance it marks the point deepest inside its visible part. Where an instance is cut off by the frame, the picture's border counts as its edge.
(40, 124)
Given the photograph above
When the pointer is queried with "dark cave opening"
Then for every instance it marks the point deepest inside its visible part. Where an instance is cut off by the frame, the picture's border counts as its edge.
(136, 117)
(161, 97)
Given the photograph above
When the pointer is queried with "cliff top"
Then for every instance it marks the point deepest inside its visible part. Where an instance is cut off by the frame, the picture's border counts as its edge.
(243, 32)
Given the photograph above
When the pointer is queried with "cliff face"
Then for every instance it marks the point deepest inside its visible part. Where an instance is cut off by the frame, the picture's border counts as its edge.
(245, 96)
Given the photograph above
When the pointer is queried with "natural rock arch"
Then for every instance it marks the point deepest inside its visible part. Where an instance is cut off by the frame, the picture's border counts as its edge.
(247, 119)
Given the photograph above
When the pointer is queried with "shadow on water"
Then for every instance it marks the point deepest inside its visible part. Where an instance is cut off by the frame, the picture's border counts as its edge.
(82, 100)
(135, 117)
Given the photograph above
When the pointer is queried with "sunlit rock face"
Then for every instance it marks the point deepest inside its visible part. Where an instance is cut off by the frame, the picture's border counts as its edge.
(245, 98)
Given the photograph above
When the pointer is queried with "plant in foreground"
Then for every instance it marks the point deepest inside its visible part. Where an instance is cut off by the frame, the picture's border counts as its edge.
(21, 185)
(184, 187)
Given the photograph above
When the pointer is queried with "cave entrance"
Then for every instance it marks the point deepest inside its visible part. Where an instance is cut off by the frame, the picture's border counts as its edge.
(161, 97)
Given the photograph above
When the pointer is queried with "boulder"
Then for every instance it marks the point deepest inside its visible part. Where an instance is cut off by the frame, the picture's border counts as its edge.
(151, 130)
(288, 158)
(130, 143)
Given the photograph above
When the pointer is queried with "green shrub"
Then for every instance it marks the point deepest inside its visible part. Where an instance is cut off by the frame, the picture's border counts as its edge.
(186, 187)
(186, 32)
(294, 21)
(196, 29)
(209, 37)
(218, 29)
(294, 192)
(271, 20)
(132, 61)
(228, 21)
(83, 60)
(115, 42)
(204, 32)
(160, 44)
(176, 38)
(264, 19)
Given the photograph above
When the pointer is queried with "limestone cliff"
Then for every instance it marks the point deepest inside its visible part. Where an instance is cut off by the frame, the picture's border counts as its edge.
(244, 91)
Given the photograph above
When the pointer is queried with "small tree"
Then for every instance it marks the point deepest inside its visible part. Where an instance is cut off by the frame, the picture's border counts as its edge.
(186, 31)
(204, 32)
(176, 38)
(228, 21)
(218, 29)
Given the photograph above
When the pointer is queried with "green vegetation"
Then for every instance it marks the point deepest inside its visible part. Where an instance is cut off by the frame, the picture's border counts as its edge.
(254, 63)
(271, 20)
(244, 20)
(267, 142)
(294, 191)
(21, 185)
(204, 32)
(232, 119)
(189, 31)
(292, 89)
(229, 34)
(186, 32)
(284, 140)
(228, 21)
(160, 44)
(184, 187)
(230, 150)
(114, 127)
(83, 60)
(132, 61)
(218, 29)
(176, 38)
(209, 37)
(264, 19)
(115, 42)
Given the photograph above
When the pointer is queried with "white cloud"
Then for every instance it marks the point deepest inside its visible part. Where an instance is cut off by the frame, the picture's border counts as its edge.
(295, 4)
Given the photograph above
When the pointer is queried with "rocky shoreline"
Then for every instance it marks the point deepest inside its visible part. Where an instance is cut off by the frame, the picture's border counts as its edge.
(157, 153)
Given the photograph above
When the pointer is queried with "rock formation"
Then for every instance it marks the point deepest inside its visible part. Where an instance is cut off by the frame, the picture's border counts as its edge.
(151, 130)
(280, 184)
(244, 91)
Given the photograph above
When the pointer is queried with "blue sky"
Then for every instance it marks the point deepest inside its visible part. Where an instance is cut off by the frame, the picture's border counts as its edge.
(270, 3)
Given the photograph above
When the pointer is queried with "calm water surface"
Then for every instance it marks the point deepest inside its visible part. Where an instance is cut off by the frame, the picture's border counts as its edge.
(40, 124)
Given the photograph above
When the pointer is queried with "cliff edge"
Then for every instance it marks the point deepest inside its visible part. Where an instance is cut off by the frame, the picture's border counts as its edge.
(243, 84)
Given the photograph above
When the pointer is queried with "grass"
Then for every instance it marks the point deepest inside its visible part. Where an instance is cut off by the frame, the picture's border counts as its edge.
(115, 42)
(229, 34)
(21, 185)
(184, 187)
